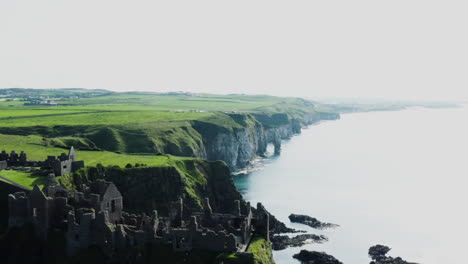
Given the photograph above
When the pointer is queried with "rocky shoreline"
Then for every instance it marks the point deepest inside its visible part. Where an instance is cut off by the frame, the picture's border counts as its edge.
(310, 221)
(281, 242)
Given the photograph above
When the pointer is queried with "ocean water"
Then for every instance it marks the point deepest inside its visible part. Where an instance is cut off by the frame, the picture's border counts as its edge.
(396, 178)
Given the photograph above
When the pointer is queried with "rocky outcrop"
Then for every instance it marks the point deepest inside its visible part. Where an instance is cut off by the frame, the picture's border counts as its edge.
(277, 134)
(314, 257)
(310, 221)
(283, 242)
(278, 227)
(153, 188)
(378, 255)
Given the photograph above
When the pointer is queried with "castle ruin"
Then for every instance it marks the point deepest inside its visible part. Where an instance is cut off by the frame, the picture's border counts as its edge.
(59, 165)
(96, 217)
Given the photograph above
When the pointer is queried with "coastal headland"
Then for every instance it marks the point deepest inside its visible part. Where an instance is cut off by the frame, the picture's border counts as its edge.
(155, 148)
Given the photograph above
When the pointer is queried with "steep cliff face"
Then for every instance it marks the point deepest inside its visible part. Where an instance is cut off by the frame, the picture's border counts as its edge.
(148, 188)
(275, 135)
(290, 127)
(235, 138)
(239, 146)
(236, 146)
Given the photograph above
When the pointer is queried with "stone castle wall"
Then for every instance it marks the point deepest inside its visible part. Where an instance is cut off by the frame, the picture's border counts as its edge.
(96, 217)
(59, 165)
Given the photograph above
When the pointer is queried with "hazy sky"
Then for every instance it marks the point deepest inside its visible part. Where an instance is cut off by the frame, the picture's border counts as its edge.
(393, 49)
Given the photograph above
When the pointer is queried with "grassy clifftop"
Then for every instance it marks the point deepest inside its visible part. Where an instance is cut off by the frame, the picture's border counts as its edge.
(148, 188)
(261, 250)
(142, 123)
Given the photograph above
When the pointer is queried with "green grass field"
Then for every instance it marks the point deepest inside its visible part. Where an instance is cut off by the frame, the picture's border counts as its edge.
(148, 101)
(131, 109)
(261, 250)
(141, 123)
(205, 102)
(22, 112)
(36, 151)
(135, 108)
(23, 178)
(103, 118)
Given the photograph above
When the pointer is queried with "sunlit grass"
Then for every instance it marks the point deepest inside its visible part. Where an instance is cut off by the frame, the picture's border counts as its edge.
(23, 178)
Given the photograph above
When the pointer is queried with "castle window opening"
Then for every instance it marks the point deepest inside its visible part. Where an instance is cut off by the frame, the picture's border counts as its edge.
(113, 206)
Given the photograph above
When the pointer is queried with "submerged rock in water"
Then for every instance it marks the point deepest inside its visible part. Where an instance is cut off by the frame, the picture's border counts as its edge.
(283, 242)
(314, 257)
(310, 221)
(378, 255)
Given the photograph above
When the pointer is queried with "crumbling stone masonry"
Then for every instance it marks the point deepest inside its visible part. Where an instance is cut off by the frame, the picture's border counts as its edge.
(59, 165)
(96, 217)
(3, 164)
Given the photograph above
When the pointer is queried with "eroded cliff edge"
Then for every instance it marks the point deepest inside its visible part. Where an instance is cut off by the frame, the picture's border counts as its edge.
(233, 137)
(242, 143)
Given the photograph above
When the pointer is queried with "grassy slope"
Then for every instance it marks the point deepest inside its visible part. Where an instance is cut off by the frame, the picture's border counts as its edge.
(104, 118)
(20, 111)
(137, 101)
(185, 166)
(23, 178)
(181, 102)
(36, 151)
(261, 250)
(33, 145)
(137, 125)
(144, 123)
